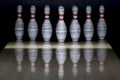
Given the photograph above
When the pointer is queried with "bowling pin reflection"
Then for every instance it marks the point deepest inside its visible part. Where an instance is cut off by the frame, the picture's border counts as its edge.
(88, 56)
(19, 52)
(46, 57)
(32, 53)
(75, 56)
(61, 55)
(101, 54)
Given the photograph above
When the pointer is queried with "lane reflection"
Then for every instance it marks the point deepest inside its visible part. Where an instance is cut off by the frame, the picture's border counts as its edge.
(32, 55)
(74, 56)
(61, 55)
(101, 54)
(19, 53)
(46, 57)
(88, 55)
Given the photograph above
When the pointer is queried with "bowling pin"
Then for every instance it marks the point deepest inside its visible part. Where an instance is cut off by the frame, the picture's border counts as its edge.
(46, 26)
(75, 28)
(46, 57)
(61, 30)
(19, 24)
(101, 25)
(88, 26)
(32, 26)
(32, 53)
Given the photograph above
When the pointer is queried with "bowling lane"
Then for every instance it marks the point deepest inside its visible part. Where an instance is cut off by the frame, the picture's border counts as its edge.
(53, 61)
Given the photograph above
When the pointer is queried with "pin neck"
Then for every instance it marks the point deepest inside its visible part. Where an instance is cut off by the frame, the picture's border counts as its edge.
(74, 16)
(74, 64)
(61, 16)
(47, 65)
(33, 15)
(46, 16)
(61, 66)
(101, 15)
(19, 15)
(32, 64)
(88, 16)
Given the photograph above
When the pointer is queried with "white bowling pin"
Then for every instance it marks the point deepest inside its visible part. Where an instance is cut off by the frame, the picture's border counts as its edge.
(32, 53)
(101, 25)
(75, 28)
(46, 57)
(88, 26)
(46, 26)
(61, 30)
(19, 24)
(32, 26)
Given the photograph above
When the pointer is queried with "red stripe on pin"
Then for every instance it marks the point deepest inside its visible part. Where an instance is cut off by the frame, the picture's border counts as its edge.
(46, 18)
(74, 14)
(75, 18)
(19, 16)
(32, 17)
(61, 14)
(61, 18)
(32, 13)
(19, 12)
(46, 14)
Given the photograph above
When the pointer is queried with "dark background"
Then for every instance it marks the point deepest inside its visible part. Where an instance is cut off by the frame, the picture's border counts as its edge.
(8, 17)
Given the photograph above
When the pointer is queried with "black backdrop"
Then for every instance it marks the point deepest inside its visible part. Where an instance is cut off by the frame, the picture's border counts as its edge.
(8, 17)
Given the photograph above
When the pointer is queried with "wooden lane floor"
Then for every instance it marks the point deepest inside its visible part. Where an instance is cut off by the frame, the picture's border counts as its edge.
(54, 45)
(71, 62)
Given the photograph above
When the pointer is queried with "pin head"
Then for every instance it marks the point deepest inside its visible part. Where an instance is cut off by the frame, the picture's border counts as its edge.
(88, 9)
(101, 9)
(32, 9)
(47, 9)
(75, 9)
(19, 8)
(61, 10)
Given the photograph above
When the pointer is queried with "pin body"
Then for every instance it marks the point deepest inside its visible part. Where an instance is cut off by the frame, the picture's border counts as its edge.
(32, 26)
(75, 29)
(88, 26)
(47, 27)
(61, 30)
(101, 26)
(19, 24)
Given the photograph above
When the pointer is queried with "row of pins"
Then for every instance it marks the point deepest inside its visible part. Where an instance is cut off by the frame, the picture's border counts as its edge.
(61, 28)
